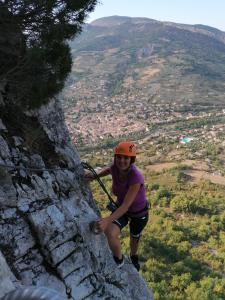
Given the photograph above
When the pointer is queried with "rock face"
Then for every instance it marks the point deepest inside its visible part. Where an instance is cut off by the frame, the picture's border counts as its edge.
(45, 211)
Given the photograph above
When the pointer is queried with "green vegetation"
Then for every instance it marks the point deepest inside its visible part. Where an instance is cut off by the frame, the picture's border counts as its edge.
(191, 124)
(182, 248)
(35, 56)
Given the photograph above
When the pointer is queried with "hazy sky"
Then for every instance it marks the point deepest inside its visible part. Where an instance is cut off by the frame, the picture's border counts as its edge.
(207, 12)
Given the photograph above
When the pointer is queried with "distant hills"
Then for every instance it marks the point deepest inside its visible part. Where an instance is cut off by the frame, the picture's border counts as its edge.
(130, 65)
(172, 62)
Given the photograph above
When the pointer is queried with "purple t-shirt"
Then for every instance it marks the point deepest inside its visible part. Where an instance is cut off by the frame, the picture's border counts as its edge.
(120, 188)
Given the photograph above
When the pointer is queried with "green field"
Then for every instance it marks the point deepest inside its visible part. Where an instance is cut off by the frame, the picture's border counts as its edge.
(182, 250)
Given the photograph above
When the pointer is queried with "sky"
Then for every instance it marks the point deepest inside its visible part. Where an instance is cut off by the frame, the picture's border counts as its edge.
(206, 12)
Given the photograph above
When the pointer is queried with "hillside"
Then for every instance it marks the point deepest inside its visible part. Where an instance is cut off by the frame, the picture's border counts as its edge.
(182, 251)
(133, 70)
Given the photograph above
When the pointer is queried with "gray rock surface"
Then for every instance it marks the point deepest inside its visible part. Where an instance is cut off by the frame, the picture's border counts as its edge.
(6, 278)
(44, 221)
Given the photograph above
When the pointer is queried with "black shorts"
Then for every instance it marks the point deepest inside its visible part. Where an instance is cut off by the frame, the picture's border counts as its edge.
(136, 224)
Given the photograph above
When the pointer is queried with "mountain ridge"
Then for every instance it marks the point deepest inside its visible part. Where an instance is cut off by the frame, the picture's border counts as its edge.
(118, 20)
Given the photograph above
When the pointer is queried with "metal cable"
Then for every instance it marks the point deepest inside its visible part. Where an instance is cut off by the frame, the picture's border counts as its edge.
(85, 165)
(89, 168)
(33, 169)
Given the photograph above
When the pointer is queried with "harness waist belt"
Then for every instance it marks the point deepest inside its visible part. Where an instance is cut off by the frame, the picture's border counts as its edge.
(146, 208)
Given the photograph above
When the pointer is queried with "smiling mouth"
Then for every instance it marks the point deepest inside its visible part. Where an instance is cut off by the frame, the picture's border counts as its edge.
(122, 165)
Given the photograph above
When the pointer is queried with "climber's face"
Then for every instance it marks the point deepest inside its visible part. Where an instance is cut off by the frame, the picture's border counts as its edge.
(122, 162)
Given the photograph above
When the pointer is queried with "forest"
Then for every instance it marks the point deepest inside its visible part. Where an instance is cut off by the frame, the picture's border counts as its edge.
(182, 250)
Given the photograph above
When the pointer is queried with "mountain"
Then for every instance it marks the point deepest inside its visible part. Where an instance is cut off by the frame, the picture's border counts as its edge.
(133, 66)
(45, 210)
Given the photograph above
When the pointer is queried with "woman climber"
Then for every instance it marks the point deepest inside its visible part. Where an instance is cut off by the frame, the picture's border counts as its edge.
(132, 205)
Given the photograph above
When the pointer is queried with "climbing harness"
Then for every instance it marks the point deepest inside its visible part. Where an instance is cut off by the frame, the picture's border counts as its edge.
(112, 205)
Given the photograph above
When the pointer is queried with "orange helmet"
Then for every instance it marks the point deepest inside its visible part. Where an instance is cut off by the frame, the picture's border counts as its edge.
(126, 148)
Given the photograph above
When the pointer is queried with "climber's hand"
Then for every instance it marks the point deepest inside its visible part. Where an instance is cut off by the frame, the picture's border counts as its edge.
(89, 176)
(103, 223)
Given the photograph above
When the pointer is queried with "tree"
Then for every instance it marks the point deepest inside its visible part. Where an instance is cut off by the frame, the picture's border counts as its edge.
(35, 56)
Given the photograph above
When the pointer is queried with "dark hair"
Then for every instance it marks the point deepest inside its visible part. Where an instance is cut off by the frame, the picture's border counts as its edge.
(132, 159)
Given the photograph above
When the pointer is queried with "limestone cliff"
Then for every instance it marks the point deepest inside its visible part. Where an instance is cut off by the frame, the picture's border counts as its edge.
(45, 209)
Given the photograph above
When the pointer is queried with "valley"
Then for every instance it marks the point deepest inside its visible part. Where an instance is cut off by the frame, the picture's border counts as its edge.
(160, 85)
